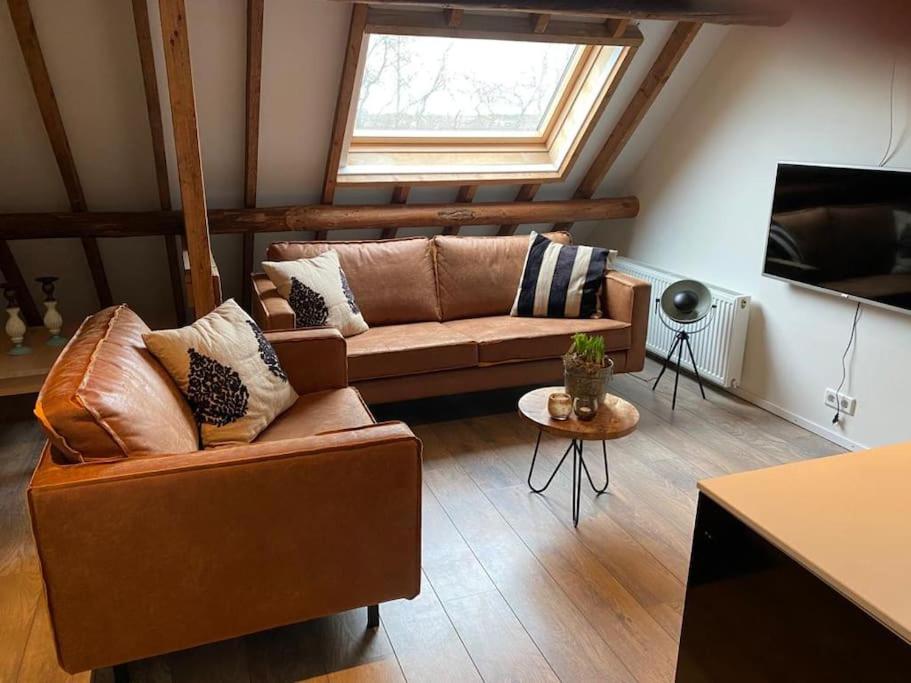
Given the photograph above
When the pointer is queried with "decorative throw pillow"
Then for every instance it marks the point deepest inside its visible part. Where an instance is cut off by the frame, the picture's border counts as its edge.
(318, 292)
(228, 371)
(560, 280)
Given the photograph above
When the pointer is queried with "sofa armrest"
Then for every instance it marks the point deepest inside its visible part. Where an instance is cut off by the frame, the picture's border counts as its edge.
(628, 299)
(156, 554)
(270, 310)
(314, 358)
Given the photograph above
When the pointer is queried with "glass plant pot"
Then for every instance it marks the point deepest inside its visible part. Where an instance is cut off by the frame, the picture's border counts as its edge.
(587, 382)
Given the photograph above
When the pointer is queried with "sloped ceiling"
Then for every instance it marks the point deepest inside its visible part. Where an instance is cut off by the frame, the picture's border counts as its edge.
(91, 54)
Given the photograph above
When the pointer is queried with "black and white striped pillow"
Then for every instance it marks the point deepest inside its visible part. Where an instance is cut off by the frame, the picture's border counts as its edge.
(559, 280)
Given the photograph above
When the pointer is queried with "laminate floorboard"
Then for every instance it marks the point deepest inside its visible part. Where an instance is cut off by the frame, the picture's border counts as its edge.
(510, 590)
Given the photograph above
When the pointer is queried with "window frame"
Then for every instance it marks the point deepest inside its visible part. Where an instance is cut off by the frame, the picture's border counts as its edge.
(418, 159)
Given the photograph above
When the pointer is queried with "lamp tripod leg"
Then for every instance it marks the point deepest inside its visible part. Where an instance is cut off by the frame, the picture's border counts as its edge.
(680, 339)
(667, 360)
(695, 369)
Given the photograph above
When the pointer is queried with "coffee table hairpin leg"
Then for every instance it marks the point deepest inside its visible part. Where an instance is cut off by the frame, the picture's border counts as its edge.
(576, 446)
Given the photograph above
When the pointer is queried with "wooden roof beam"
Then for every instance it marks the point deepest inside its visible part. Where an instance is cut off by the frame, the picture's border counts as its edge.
(189, 161)
(465, 196)
(255, 9)
(498, 27)
(343, 103)
(453, 17)
(734, 12)
(314, 217)
(526, 193)
(21, 14)
(153, 110)
(680, 39)
(399, 196)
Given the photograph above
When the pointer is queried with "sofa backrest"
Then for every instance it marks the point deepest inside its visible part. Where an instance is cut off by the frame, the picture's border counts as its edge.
(479, 276)
(107, 397)
(392, 280)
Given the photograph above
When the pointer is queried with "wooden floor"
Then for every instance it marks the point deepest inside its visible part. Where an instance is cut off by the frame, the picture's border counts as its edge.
(511, 592)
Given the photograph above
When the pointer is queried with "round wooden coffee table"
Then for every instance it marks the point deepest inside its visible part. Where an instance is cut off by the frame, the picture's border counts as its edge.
(616, 418)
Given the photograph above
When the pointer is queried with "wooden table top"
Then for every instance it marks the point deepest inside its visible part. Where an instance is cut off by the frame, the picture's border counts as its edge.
(845, 518)
(615, 418)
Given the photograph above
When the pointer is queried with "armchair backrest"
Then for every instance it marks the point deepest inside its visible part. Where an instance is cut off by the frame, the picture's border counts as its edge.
(107, 397)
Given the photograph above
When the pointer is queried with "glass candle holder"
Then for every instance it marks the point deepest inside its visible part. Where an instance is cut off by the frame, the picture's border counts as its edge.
(559, 405)
(585, 407)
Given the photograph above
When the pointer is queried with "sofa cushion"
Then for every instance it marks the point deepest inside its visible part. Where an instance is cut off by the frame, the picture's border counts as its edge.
(318, 292)
(392, 280)
(107, 397)
(478, 276)
(396, 350)
(560, 280)
(229, 373)
(504, 338)
(318, 413)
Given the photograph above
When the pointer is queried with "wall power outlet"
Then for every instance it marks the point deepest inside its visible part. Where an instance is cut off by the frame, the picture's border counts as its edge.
(847, 404)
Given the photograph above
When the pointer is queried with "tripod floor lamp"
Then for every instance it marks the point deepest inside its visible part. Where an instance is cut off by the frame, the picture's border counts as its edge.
(682, 305)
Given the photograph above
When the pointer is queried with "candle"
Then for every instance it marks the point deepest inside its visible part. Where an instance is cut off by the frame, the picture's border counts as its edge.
(585, 407)
(559, 405)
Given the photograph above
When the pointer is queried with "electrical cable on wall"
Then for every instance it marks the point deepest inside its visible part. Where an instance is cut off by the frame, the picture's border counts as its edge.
(844, 367)
(887, 154)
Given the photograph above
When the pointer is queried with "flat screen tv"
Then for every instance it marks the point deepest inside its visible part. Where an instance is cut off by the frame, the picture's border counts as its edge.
(843, 230)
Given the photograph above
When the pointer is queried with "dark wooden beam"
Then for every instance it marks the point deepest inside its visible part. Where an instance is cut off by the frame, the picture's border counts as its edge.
(255, 9)
(496, 27)
(671, 54)
(465, 196)
(680, 39)
(343, 103)
(399, 196)
(526, 193)
(737, 12)
(14, 279)
(21, 14)
(314, 217)
(189, 161)
(153, 110)
(453, 17)
(539, 22)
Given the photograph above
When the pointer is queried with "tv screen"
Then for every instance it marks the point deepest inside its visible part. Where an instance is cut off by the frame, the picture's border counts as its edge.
(843, 230)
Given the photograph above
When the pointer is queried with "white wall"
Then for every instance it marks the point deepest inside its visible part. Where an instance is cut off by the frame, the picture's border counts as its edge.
(93, 62)
(795, 93)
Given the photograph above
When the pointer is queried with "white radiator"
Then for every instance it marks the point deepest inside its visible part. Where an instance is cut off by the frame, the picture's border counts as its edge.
(719, 348)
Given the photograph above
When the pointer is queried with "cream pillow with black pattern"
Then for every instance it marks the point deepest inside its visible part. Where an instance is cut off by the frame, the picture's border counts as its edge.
(318, 292)
(229, 373)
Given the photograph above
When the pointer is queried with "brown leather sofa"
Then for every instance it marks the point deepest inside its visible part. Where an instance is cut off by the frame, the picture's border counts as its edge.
(148, 544)
(438, 311)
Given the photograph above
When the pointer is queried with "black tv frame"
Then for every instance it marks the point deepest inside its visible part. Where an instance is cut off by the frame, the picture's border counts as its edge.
(814, 288)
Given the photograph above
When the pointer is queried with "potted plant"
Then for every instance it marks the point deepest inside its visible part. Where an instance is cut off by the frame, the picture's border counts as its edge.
(586, 369)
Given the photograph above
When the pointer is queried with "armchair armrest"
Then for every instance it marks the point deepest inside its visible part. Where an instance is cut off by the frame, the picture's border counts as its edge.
(628, 299)
(270, 310)
(314, 358)
(151, 555)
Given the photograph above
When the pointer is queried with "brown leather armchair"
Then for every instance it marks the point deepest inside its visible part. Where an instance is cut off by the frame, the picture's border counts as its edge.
(147, 554)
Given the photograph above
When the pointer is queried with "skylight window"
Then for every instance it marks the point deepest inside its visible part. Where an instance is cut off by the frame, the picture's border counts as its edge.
(431, 86)
(495, 99)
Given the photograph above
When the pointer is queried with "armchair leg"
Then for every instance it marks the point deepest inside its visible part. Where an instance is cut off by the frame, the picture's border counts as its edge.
(373, 616)
(121, 673)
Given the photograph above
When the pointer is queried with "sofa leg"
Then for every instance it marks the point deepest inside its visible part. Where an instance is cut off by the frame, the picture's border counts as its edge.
(373, 616)
(121, 673)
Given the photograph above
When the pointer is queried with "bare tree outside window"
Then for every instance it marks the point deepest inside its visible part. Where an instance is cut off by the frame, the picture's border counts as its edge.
(426, 84)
